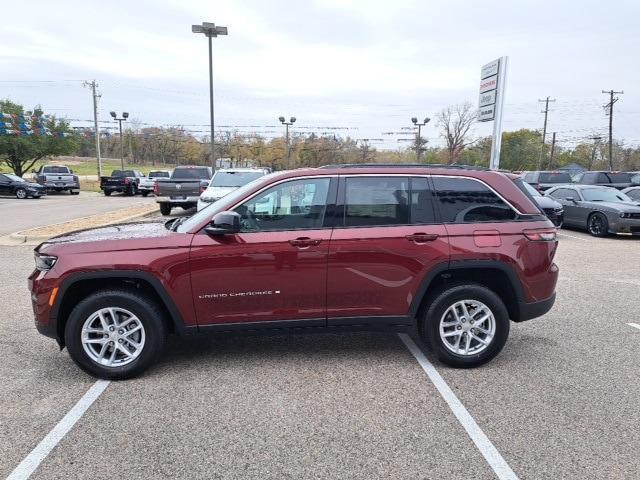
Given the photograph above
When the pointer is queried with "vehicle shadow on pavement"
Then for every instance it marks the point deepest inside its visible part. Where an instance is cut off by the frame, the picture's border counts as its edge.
(202, 351)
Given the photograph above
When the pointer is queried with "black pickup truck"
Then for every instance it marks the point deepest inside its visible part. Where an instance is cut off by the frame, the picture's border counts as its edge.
(183, 188)
(125, 181)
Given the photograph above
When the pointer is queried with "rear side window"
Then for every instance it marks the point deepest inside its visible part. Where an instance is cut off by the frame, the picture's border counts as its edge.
(462, 200)
(564, 193)
(376, 201)
(554, 177)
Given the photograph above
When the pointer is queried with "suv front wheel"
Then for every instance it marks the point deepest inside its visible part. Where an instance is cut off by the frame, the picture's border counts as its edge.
(466, 325)
(115, 334)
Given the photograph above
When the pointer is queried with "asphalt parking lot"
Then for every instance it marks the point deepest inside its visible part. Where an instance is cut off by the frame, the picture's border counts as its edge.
(560, 401)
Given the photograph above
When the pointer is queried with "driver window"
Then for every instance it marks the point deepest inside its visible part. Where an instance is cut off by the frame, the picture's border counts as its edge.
(294, 205)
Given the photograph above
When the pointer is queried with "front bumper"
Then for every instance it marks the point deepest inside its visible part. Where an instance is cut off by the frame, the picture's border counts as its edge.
(625, 226)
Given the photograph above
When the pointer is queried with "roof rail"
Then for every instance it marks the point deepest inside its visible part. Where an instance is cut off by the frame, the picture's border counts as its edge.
(404, 165)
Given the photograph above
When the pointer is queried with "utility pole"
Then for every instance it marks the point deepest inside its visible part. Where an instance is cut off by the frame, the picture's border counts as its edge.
(96, 129)
(553, 149)
(544, 129)
(609, 105)
(596, 141)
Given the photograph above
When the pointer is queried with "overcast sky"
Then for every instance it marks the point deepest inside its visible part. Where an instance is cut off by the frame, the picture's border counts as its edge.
(364, 65)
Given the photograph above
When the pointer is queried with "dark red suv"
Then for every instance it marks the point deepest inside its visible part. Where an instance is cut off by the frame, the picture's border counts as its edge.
(456, 252)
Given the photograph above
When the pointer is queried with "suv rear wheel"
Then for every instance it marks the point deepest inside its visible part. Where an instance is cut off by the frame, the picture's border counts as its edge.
(466, 325)
(115, 334)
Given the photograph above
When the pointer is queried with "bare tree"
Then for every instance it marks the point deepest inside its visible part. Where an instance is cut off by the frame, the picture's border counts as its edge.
(455, 123)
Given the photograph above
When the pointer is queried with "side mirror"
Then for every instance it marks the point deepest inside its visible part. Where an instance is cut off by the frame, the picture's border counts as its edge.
(570, 199)
(70, 171)
(224, 223)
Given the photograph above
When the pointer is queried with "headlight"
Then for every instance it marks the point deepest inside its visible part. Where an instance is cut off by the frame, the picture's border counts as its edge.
(625, 215)
(45, 262)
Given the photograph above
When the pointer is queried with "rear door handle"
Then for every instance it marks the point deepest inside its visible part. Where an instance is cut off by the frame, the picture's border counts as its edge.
(422, 237)
(304, 242)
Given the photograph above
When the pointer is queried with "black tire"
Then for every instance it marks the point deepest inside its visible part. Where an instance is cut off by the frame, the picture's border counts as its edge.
(74, 192)
(145, 193)
(147, 311)
(165, 208)
(598, 225)
(21, 193)
(445, 298)
(107, 193)
(131, 191)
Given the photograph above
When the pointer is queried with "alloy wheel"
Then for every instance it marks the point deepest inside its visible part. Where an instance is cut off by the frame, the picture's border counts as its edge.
(596, 225)
(467, 327)
(113, 337)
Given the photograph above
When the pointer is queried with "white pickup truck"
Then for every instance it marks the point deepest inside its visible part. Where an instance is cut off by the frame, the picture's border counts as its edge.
(226, 180)
(58, 178)
(145, 187)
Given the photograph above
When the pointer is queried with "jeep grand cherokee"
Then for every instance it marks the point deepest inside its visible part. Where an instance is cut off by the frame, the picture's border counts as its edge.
(454, 252)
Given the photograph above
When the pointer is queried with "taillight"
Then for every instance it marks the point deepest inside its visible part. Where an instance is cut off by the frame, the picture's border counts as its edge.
(126, 181)
(156, 188)
(541, 235)
(202, 188)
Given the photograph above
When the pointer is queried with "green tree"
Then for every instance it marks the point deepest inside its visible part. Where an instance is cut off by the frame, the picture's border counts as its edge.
(21, 153)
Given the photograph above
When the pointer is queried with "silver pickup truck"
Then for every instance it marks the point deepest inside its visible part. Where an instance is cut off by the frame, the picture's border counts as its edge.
(183, 188)
(57, 178)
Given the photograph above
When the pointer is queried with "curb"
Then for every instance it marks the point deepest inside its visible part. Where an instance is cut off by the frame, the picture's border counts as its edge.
(20, 238)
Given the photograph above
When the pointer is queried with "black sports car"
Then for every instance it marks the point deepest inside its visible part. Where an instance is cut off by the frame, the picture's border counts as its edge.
(599, 210)
(14, 185)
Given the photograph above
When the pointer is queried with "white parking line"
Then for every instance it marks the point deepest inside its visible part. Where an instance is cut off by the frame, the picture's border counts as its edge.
(634, 325)
(57, 433)
(488, 451)
(573, 236)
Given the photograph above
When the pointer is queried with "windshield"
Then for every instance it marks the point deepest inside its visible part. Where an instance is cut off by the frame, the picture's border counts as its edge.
(554, 177)
(604, 195)
(190, 173)
(619, 177)
(220, 205)
(13, 177)
(233, 179)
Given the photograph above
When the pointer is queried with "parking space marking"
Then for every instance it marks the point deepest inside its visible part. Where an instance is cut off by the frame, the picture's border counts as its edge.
(573, 236)
(487, 449)
(57, 433)
(630, 281)
(635, 325)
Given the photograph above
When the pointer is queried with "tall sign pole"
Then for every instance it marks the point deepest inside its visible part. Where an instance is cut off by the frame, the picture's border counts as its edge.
(493, 80)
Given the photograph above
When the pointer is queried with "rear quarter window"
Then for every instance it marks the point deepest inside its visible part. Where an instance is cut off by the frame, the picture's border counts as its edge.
(463, 200)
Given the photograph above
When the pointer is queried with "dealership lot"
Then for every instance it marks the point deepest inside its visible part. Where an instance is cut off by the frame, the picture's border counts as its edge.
(559, 402)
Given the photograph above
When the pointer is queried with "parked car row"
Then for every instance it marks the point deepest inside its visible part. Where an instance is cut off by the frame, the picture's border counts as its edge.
(545, 179)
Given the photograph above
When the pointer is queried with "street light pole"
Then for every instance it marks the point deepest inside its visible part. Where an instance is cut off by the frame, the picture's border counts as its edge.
(291, 121)
(125, 115)
(211, 31)
(419, 137)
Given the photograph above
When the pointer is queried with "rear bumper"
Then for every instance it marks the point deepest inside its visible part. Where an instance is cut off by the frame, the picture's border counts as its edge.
(62, 185)
(178, 201)
(528, 311)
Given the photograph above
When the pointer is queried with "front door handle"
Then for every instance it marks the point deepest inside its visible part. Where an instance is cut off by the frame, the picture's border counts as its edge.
(422, 237)
(305, 242)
